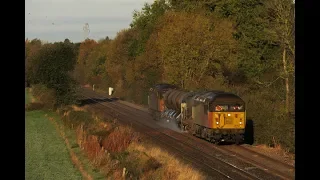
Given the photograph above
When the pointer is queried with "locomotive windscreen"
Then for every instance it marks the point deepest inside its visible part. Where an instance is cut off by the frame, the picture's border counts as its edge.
(227, 102)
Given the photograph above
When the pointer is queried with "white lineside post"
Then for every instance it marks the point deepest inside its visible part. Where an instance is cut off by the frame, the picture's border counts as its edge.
(124, 172)
(93, 87)
(183, 114)
(110, 91)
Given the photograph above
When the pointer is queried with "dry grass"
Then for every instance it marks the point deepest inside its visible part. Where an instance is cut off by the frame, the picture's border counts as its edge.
(98, 156)
(111, 148)
(278, 148)
(276, 151)
(119, 139)
(77, 108)
(117, 174)
(90, 144)
(171, 167)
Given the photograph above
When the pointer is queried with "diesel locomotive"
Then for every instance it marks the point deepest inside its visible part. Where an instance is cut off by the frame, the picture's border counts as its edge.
(216, 116)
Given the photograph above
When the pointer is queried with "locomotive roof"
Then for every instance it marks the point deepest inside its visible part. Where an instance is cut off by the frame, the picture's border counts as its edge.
(164, 86)
(210, 96)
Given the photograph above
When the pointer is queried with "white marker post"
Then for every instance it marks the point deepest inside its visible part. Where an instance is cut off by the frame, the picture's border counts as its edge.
(110, 91)
(93, 87)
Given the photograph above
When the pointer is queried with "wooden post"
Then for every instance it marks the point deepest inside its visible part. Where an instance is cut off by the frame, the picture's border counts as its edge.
(124, 172)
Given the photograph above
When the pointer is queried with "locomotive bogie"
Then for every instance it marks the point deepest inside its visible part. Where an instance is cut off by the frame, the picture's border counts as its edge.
(219, 135)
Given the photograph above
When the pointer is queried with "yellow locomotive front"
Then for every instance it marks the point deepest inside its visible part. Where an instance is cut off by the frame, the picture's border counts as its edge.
(219, 116)
(228, 117)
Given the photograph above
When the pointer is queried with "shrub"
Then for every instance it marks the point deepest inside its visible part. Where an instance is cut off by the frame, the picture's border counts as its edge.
(34, 106)
(76, 118)
(45, 96)
(119, 139)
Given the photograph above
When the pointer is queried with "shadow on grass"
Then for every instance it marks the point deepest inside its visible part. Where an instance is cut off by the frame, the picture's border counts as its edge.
(83, 102)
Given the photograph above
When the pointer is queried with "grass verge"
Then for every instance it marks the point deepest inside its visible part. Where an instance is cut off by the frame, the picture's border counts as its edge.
(49, 151)
(46, 154)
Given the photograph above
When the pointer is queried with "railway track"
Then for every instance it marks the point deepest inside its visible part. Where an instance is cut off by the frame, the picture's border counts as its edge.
(221, 161)
(242, 158)
(282, 169)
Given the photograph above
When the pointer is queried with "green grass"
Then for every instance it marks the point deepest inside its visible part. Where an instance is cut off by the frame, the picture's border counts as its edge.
(46, 155)
(27, 97)
(71, 135)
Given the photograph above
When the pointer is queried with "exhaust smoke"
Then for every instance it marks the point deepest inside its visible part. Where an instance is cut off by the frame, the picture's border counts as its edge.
(169, 120)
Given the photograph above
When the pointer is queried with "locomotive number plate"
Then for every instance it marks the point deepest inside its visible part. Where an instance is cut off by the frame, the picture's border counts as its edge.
(228, 120)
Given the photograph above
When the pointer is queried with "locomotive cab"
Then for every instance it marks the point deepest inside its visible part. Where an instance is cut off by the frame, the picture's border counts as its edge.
(228, 112)
(219, 116)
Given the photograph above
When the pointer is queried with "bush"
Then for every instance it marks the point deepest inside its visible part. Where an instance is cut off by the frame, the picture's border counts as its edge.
(76, 118)
(270, 125)
(34, 106)
(119, 139)
(45, 96)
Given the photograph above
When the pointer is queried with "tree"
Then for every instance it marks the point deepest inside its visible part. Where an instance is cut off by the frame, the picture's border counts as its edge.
(119, 57)
(67, 41)
(192, 44)
(143, 23)
(97, 61)
(82, 67)
(51, 67)
(281, 13)
(31, 49)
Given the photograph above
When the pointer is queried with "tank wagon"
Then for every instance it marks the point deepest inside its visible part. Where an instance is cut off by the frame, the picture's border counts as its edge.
(212, 115)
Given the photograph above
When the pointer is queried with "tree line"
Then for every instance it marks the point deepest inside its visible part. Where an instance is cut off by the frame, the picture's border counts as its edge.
(241, 46)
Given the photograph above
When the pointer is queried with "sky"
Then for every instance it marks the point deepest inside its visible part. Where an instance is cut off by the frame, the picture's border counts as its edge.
(56, 20)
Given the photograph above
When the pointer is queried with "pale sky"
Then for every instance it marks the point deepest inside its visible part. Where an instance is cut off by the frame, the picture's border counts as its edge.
(56, 20)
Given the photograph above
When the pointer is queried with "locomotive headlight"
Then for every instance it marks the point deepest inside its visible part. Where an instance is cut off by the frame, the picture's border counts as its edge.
(240, 122)
(229, 114)
(217, 122)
